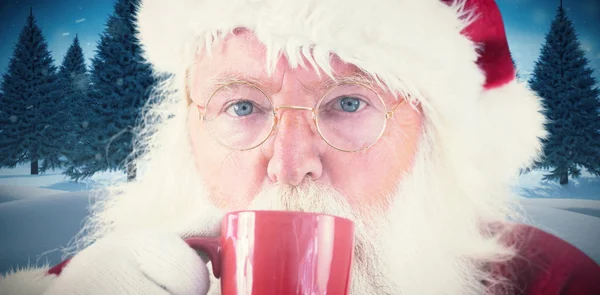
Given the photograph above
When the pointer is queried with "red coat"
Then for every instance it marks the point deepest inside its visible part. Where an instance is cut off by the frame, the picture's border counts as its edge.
(546, 265)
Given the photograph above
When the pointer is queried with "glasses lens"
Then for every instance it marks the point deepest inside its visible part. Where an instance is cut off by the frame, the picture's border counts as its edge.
(239, 116)
(351, 117)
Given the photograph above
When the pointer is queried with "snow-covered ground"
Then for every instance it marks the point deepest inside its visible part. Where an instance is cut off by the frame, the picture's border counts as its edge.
(40, 214)
(54, 180)
(586, 187)
(32, 230)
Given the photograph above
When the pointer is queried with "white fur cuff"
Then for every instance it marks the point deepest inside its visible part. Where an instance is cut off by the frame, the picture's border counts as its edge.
(27, 281)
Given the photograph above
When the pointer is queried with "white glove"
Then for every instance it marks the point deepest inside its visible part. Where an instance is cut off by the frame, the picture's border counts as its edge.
(147, 262)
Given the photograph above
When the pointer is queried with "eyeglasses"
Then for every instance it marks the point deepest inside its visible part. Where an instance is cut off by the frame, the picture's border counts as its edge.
(350, 117)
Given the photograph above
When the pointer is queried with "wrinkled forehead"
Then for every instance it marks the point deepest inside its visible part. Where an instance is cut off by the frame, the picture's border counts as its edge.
(243, 56)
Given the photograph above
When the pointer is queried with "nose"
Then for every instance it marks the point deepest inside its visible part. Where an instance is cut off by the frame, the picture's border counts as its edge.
(295, 149)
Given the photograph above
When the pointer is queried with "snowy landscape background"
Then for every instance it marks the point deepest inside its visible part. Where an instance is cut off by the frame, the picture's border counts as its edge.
(39, 214)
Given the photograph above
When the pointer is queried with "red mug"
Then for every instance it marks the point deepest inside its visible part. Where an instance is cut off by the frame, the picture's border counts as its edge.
(281, 252)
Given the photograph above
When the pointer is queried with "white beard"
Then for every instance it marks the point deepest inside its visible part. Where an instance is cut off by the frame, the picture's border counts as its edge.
(429, 242)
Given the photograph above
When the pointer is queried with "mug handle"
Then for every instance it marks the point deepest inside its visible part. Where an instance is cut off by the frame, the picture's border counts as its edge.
(212, 247)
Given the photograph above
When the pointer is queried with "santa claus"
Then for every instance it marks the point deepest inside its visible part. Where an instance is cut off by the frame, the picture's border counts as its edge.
(402, 115)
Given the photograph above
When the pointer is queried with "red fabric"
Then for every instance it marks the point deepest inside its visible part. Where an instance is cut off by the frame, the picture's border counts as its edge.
(57, 269)
(548, 265)
(487, 31)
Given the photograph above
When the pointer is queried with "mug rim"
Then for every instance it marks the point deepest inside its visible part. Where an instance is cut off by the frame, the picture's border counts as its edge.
(284, 212)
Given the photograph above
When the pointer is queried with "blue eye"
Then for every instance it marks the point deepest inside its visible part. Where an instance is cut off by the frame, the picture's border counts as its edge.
(241, 108)
(350, 104)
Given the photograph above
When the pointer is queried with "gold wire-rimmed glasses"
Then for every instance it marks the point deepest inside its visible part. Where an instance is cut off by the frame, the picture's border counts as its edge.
(350, 117)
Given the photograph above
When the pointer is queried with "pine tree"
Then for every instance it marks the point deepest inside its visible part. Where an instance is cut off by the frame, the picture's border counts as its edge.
(30, 105)
(121, 81)
(516, 69)
(4, 120)
(564, 80)
(75, 84)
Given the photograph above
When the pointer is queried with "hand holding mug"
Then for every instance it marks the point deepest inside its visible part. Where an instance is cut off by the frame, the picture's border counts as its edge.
(144, 262)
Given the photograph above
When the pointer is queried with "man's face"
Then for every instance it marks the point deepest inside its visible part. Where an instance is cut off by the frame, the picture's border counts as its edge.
(295, 152)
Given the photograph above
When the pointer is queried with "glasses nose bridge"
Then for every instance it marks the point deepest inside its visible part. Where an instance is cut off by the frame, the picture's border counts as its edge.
(290, 107)
(298, 108)
(301, 108)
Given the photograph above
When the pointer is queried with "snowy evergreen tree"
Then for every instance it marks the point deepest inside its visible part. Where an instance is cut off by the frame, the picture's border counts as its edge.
(564, 80)
(29, 108)
(516, 69)
(1, 114)
(3, 119)
(75, 84)
(122, 82)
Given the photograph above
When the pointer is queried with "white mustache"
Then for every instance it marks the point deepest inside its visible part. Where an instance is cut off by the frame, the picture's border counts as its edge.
(308, 197)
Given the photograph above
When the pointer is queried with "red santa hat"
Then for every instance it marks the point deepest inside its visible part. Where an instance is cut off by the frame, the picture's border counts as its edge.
(452, 56)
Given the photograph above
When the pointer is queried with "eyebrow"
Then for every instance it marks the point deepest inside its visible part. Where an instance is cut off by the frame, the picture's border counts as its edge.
(358, 78)
(223, 80)
(321, 86)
